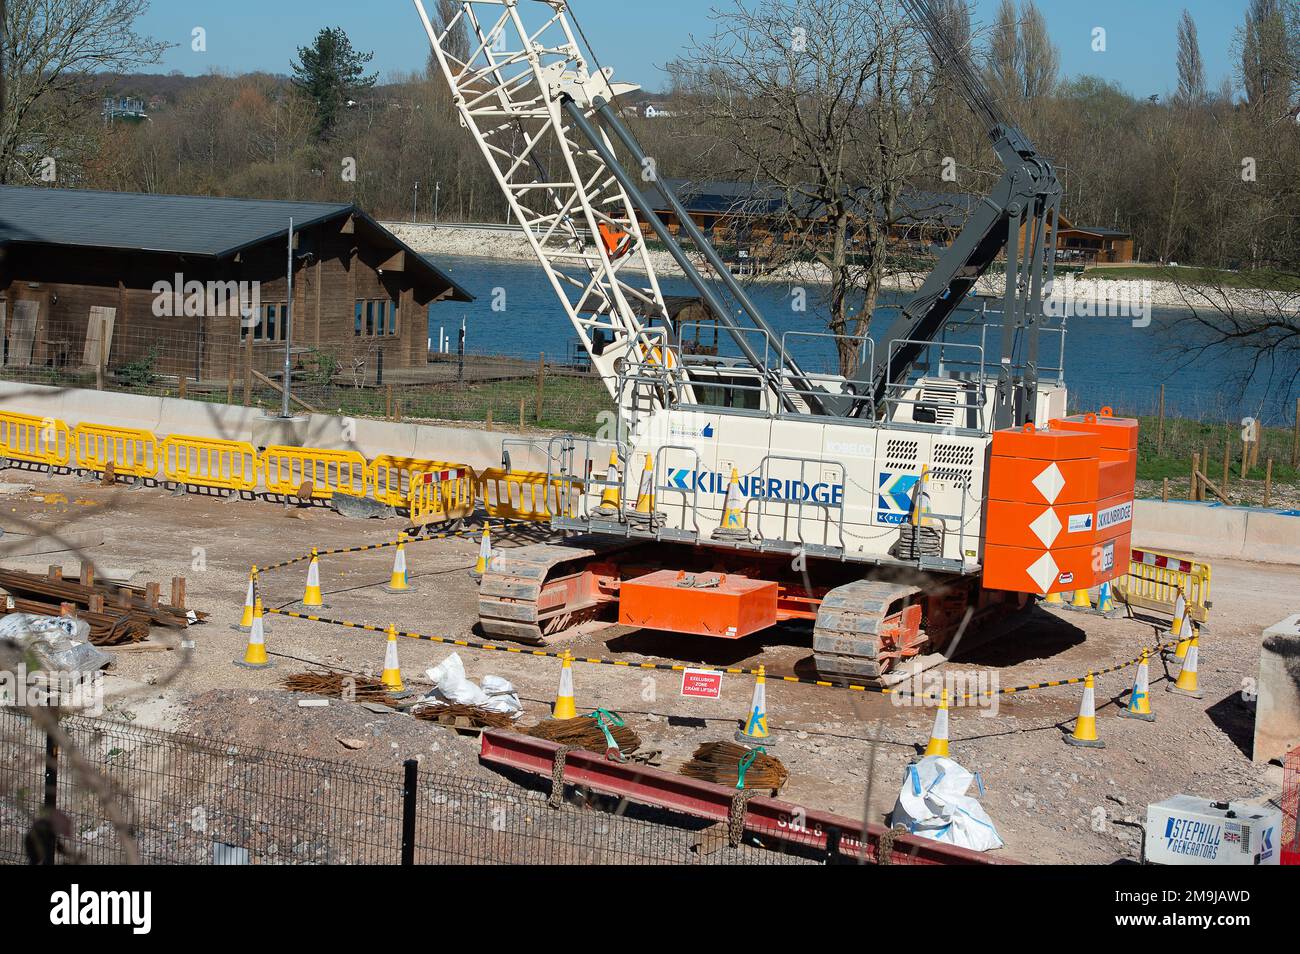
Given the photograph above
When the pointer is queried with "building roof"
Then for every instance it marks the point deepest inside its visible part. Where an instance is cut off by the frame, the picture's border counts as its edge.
(200, 226)
(1096, 230)
(720, 197)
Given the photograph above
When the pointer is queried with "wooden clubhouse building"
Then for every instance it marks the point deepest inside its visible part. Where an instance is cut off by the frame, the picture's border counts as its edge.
(197, 286)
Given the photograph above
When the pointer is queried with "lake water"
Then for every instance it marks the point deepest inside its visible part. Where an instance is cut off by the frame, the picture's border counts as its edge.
(1107, 360)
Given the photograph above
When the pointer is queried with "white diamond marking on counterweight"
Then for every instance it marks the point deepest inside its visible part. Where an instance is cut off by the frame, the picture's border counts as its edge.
(1047, 527)
(1043, 572)
(1050, 483)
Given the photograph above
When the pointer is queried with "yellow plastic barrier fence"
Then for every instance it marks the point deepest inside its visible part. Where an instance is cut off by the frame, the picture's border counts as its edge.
(37, 440)
(391, 476)
(437, 496)
(526, 495)
(209, 462)
(130, 451)
(1153, 579)
(284, 469)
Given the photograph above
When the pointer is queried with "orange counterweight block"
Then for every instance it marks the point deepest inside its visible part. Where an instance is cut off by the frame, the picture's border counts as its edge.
(710, 604)
(1060, 504)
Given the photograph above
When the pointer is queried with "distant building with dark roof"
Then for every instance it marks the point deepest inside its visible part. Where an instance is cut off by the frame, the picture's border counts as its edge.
(754, 215)
(197, 286)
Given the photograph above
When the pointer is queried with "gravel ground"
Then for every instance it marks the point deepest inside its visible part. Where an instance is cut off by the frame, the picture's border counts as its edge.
(1051, 802)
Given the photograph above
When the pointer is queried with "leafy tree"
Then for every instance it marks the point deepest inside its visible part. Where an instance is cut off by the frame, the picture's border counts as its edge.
(328, 72)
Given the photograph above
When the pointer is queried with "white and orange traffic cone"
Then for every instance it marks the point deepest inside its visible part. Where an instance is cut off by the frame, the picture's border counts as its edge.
(756, 731)
(246, 620)
(484, 555)
(255, 653)
(398, 582)
(611, 498)
(391, 677)
(311, 597)
(1186, 684)
(1085, 726)
(939, 734)
(564, 707)
(1139, 697)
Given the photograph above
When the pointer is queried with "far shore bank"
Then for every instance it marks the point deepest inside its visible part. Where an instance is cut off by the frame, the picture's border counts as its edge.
(508, 244)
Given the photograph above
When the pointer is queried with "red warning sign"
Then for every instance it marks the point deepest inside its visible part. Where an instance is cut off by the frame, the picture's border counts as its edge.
(702, 683)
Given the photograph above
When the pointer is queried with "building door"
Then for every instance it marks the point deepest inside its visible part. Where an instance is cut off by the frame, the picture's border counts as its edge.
(99, 336)
(22, 334)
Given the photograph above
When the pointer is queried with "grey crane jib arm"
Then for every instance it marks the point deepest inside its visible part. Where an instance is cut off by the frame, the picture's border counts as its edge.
(1024, 193)
(1025, 202)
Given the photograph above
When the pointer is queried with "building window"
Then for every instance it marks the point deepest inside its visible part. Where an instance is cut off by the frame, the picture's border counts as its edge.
(271, 326)
(376, 319)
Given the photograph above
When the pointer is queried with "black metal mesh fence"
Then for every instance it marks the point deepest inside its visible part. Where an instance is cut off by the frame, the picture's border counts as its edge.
(168, 798)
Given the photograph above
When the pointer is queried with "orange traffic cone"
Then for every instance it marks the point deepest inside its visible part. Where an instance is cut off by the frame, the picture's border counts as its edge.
(732, 526)
(1085, 726)
(398, 582)
(246, 621)
(391, 677)
(939, 734)
(564, 707)
(255, 654)
(755, 731)
(1180, 622)
(1139, 698)
(1186, 684)
(311, 597)
(645, 496)
(484, 555)
(611, 498)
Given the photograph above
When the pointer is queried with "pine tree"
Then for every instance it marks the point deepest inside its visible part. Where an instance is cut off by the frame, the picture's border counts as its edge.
(328, 72)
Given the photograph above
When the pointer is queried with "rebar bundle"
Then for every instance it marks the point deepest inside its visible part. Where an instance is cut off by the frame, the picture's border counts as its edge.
(585, 733)
(325, 683)
(720, 762)
(476, 716)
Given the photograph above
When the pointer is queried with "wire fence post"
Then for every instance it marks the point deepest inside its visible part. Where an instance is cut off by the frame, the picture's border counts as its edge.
(48, 834)
(410, 786)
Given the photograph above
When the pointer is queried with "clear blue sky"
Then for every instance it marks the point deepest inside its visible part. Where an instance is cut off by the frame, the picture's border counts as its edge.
(637, 39)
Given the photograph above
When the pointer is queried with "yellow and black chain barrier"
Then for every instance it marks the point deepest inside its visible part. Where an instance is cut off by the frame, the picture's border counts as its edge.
(1153, 652)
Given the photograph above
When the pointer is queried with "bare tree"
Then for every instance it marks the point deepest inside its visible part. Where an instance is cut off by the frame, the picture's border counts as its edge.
(1039, 58)
(1270, 47)
(1004, 69)
(457, 45)
(1191, 68)
(51, 48)
(819, 104)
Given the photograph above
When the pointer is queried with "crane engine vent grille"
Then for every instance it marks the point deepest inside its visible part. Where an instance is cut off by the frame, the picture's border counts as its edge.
(952, 463)
(901, 454)
(944, 399)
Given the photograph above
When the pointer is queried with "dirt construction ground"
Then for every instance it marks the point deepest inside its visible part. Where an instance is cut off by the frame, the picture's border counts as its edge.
(1051, 802)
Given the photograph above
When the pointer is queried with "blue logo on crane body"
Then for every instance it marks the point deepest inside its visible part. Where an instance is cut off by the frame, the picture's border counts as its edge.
(769, 488)
(894, 497)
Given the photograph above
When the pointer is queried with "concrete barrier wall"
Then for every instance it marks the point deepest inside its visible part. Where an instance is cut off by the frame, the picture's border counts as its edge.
(1201, 529)
(479, 449)
(1214, 530)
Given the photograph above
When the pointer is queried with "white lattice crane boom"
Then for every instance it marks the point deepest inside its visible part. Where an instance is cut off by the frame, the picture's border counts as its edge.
(508, 88)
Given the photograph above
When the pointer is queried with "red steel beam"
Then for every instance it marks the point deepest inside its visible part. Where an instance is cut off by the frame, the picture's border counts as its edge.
(768, 818)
